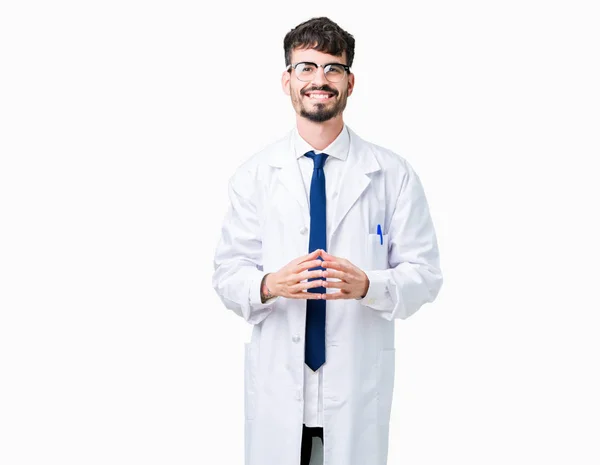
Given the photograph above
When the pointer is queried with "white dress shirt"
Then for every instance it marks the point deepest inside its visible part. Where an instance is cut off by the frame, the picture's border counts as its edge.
(333, 169)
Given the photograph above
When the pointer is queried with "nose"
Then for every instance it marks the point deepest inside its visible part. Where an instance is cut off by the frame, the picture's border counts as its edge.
(320, 76)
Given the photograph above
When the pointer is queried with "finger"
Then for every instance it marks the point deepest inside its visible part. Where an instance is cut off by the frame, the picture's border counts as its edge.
(307, 285)
(335, 285)
(342, 261)
(332, 257)
(335, 265)
(310, 274)
(311, 258)
(328, 256)
(333, 273)
(338, 295)
(308, 256)
(306, 295)
(308, 265)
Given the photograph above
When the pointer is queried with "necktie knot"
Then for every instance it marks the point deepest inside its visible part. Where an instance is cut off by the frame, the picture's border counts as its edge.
(318, 159)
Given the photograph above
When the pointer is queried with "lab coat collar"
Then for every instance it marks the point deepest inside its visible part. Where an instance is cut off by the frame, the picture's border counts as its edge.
(360, 153)
(337, 149)
(361, 161)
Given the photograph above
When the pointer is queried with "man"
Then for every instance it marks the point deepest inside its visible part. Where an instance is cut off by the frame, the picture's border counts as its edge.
(327, 241)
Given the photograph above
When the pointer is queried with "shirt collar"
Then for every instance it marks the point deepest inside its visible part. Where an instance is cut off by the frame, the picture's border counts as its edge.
(338, 148)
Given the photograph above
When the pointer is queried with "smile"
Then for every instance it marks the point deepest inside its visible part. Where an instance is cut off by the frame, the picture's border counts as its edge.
(321, 97)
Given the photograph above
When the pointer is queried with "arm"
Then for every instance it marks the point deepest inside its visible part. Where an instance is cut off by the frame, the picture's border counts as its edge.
(414, 276)
(238, 274)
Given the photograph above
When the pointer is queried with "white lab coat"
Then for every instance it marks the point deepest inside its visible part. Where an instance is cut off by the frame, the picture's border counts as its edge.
(267, 226)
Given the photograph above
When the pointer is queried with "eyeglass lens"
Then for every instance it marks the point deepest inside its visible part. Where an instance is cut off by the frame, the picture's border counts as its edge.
(307, 72)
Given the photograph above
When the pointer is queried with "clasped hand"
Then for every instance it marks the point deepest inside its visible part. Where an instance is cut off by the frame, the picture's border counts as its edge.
(292, 281)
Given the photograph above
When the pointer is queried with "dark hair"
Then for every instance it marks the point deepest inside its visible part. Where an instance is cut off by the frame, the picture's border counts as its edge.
(322, 35)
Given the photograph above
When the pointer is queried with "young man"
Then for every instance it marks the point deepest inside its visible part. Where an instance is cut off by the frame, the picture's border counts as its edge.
(327, 241)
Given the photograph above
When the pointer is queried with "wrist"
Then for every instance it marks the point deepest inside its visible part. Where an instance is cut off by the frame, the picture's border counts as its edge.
(366, 287)
(265, 291)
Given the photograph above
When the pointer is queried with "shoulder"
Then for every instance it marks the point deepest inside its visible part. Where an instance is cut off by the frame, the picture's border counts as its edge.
(259, 164)
(391, 161)
(269, 153)
(395, 170)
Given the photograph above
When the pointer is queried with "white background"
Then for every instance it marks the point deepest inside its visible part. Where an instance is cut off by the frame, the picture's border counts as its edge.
(121, 123)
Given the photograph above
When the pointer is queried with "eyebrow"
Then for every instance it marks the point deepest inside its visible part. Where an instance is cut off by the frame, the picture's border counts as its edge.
(325, 64)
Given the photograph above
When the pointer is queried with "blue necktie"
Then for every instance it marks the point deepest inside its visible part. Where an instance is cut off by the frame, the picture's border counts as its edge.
(314, 349)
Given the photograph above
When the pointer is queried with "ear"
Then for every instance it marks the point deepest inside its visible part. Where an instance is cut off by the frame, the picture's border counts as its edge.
(285, 82)
(350, 84)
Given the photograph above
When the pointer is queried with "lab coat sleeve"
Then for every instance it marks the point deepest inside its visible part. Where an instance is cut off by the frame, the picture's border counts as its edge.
(414, 276)
(238, 270)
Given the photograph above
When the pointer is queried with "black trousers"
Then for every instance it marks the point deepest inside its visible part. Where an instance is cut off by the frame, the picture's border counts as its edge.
(308, 433)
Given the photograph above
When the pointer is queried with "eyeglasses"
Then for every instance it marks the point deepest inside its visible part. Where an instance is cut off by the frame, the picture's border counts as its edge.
(306, 71)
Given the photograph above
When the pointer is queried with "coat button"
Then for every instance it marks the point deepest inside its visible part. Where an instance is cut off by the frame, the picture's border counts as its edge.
(296, 338)
(304, 230)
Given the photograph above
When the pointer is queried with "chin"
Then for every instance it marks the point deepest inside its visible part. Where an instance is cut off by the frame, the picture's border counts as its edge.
(317, 117)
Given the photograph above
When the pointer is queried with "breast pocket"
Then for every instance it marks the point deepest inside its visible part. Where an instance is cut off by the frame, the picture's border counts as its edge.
(377, 250)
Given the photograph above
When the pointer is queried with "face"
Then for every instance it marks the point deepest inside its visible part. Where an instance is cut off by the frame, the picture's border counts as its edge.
(305, 95)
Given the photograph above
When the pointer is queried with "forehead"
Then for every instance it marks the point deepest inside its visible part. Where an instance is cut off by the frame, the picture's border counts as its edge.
(316, 57)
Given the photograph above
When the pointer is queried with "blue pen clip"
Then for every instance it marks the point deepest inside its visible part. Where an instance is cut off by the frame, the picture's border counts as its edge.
(380, 234)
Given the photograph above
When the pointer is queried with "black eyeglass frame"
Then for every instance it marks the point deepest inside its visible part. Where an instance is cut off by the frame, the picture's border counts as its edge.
(294, 65)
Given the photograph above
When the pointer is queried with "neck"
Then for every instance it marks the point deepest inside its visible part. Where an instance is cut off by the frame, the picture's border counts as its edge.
(319, 135)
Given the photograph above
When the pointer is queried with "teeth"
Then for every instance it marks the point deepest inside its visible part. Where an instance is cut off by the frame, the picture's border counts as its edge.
(319, 96)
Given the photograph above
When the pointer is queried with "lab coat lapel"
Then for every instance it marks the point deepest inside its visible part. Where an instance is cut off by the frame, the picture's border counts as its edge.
(290, 176)
(360, 162)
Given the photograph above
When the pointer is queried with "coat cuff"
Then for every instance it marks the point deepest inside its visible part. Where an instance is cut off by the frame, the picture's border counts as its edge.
(378, 296)
(255, 300)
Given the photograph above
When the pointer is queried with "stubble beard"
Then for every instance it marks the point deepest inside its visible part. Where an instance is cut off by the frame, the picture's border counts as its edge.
(320, 113)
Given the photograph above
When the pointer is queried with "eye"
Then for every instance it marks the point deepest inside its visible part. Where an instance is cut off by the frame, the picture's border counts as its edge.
(306, 67)
(334, 69)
